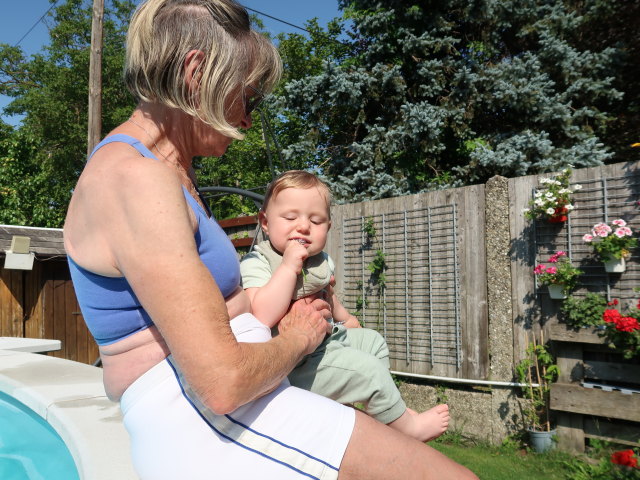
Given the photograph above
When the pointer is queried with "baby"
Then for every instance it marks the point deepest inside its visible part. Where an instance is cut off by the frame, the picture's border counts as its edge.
(351, 366)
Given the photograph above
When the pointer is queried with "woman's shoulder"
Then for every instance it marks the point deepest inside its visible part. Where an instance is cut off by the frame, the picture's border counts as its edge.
(121, 167)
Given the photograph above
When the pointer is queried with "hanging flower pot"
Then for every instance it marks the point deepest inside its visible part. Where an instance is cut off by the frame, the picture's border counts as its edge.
(556, 292)
(559, 216)
(615, 265)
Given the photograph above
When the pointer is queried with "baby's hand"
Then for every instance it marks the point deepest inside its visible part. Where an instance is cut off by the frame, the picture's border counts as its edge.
(294, 256)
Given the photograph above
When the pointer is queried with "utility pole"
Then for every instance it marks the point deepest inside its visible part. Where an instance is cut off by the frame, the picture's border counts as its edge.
(95, 77)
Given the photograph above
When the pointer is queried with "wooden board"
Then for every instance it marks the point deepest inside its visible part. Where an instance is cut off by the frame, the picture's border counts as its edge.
(590, 401)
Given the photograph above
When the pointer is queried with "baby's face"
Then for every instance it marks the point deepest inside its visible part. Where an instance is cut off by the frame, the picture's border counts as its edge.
(298, 215)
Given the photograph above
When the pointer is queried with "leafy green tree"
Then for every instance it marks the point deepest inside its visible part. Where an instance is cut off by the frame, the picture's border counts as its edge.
(50, 90)
(253, 162)
(437, 94)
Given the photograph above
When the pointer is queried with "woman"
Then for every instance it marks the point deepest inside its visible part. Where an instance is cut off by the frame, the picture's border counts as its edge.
(158, 281)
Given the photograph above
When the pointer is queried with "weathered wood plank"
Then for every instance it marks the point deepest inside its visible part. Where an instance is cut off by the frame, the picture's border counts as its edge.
(239, 221)
(46, 241)
(626, 434)
(47, 302)
(59, 318)
(570, 363)
(612, 371)
(591, 401)
(560, 333)
(74, 344)
(242, 242)
(17, 292)
(473, 272)
(570, 432)
(34, 321)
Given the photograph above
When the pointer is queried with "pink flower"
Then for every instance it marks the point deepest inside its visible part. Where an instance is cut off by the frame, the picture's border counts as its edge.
(538, 269)
(588, 238)
(554, 258)
(552, 270)
(618, 232)
(619, 223)
(625, 230)
(601, 230)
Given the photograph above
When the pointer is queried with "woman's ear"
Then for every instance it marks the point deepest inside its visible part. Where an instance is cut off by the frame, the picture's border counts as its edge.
(192, 71)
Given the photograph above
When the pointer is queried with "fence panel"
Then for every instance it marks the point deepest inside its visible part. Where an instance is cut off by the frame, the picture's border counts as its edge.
(413, 268)
(607, 193)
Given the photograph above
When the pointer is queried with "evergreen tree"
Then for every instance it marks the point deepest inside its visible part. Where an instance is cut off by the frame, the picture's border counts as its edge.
(448, 93)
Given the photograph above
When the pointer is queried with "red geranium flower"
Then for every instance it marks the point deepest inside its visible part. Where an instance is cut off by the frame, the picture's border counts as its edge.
(611, 315)
(627, 324)
(625, 457)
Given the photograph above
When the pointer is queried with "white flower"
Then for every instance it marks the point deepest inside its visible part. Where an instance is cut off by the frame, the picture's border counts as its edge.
(545, 180)
(539, 202)
(548, 195)
(538, 194)
(564, 190)
(569, 207)
(577, 187)
(550, 211)
(526, 210)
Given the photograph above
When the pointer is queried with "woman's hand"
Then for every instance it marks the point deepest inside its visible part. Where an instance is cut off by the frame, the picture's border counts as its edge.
(307, 318)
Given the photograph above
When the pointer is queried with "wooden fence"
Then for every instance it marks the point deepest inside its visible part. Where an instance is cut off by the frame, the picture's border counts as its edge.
(607, 193)
(41, 303)
(458, 301)
(426, 269)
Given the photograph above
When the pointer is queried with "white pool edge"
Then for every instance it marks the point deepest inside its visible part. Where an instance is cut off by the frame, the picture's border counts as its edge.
(70, 396)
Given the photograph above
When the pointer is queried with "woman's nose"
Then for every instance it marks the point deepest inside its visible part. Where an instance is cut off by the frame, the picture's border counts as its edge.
(246, 121)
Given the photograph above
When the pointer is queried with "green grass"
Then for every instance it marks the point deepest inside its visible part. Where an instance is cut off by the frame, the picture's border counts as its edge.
(505, 463)
(512, 462)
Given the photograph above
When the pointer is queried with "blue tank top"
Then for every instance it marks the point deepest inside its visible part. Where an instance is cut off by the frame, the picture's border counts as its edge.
(109, 306)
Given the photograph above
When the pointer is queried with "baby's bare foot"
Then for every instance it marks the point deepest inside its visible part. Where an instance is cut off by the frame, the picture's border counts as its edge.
(433, 423)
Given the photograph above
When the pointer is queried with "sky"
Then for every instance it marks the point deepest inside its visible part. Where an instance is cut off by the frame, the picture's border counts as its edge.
(19, 16)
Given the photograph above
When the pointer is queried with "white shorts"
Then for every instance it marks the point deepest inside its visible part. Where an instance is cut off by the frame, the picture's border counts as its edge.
(287, 434)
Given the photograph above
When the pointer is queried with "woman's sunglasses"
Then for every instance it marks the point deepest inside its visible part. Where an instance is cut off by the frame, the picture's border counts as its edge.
(252, 99)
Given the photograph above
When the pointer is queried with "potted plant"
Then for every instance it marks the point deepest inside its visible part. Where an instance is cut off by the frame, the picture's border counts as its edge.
(536, 372)
(553, 200)
(621, 331)
(612, 244)
(560, 278)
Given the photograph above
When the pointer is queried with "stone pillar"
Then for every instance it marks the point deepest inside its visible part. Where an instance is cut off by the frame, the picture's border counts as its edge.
(504, 409)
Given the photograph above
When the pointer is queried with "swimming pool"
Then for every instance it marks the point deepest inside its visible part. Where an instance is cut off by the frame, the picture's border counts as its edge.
(30, 449)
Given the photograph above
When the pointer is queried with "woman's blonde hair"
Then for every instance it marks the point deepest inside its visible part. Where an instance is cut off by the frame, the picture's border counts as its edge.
(163, 32)
(296, 179)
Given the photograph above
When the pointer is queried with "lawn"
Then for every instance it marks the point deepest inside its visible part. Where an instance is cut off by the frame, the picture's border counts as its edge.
(510, 462)
(505, 463)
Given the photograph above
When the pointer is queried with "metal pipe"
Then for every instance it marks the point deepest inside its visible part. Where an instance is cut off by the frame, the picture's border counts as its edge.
(468, 381)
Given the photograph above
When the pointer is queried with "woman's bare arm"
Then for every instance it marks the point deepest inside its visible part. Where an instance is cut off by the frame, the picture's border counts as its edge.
(146, 233)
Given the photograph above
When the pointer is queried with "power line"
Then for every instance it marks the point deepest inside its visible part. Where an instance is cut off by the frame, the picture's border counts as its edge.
(37, 22)
(277, 19)
(290, 24)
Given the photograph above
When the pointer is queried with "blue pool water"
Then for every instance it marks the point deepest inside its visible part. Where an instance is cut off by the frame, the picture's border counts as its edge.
(30, 449)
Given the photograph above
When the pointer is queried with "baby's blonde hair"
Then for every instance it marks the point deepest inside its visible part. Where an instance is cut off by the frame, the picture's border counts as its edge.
(296, 179)
(163, 32)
